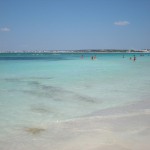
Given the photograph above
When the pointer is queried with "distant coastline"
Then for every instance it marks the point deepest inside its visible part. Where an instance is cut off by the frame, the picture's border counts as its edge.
(80, 51)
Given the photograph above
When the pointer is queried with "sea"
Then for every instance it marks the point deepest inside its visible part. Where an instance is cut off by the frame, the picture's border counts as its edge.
(69, 101)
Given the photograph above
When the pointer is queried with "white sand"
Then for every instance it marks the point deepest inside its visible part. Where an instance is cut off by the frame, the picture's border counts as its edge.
(126, 128)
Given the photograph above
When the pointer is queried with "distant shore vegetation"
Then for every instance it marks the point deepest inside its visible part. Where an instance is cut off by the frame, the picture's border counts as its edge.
(79, 51)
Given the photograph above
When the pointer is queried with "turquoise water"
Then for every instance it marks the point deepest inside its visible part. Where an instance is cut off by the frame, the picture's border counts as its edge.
(46, 88)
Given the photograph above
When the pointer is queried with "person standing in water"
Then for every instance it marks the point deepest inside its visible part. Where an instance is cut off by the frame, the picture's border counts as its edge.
(82, 56)
(134, 58)
(95, 57)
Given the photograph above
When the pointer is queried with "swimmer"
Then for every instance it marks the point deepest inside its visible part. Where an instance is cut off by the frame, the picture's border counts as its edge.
(95, 57)
(134, 59)
(82, 57)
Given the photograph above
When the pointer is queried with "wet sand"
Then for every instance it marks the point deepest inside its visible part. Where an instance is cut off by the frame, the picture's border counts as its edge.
(119, 128)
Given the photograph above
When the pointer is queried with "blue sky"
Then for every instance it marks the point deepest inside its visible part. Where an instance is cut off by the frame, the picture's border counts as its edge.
(74, 24)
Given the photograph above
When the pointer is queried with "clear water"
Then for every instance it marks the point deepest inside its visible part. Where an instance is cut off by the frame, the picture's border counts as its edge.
(46, 88)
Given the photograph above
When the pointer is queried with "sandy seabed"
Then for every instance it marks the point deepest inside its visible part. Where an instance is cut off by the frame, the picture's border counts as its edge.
(120, 128)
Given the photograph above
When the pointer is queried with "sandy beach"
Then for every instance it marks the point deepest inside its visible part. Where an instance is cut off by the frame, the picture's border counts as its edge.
(120, 128)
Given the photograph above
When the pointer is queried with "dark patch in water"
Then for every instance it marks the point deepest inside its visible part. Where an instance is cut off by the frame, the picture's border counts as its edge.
(34, 130)
(60, 91)
(86, 98)
(42, 78)
(53, 89)
(33, 58)
(38, 93)
(12, 79)
(41, 109)
(35, 83)
(23, 79)
(57, 93)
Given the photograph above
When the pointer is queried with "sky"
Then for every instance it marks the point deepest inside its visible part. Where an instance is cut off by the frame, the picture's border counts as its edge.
(74, 24)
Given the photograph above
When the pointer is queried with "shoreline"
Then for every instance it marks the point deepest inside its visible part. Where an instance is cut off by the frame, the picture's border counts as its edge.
(73, 52)
(126, 132)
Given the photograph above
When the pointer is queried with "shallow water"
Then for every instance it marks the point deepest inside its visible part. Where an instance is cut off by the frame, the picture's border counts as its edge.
(68, 99)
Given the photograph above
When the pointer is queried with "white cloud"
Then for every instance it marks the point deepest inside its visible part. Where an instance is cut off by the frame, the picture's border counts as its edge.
(4, 29)
(121, 23)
